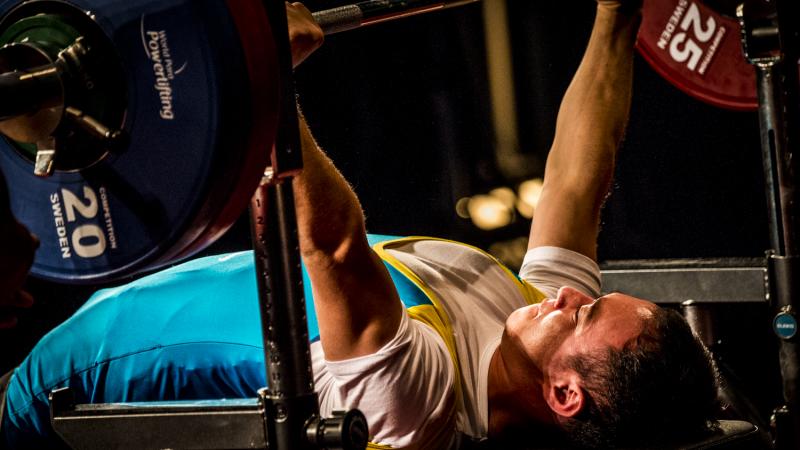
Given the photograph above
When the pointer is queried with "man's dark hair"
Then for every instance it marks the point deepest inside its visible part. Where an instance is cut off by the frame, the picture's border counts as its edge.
(660, 387)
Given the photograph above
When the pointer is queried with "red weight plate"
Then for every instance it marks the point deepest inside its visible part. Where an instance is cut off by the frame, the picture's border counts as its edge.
(699, 51)
(261, 56)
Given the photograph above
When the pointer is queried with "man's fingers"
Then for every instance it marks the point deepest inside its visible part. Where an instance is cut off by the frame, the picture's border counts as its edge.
(624, 6)
(305, 35)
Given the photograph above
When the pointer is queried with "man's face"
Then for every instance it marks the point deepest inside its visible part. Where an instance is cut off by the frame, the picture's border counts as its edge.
(548, 333)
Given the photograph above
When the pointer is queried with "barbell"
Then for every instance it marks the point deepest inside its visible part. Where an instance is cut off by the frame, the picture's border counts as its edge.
(136, 132)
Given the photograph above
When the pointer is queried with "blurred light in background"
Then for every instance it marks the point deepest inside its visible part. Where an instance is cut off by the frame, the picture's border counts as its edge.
(505, 195)
(461, 207)
(529, 193)
(497, 208)
(489, 212)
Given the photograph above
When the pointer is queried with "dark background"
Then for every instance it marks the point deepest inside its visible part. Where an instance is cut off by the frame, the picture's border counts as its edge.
(404, 110)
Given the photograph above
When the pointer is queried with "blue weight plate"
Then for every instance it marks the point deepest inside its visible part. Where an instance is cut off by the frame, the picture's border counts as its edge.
(188, 119)
(261, 56)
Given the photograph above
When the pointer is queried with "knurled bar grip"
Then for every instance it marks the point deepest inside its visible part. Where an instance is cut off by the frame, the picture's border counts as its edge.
(343, 18)
(356, 15)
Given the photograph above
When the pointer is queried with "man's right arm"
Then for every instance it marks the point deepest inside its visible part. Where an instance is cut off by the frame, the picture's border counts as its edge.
(358, 309)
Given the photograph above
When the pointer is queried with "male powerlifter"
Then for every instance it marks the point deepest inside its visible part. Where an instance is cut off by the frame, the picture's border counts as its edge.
(475, 353)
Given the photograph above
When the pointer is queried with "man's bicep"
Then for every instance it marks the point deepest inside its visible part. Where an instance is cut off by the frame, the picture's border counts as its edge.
(358, 309)
(566, 217)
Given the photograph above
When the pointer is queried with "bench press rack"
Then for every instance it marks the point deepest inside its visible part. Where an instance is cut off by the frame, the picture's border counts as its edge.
(286, 416)
(771, 42)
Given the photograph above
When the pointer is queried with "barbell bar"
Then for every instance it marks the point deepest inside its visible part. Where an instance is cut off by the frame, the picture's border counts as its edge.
(154, 121)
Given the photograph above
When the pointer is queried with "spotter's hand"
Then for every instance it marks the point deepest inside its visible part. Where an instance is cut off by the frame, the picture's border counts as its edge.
(305, 35)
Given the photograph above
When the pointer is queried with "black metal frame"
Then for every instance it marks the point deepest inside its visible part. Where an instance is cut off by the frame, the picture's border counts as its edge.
(674, 281)
(218, 424)
(771, 41)
(285, 415)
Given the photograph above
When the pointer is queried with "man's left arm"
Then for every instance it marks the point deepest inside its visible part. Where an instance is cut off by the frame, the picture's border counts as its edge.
(590, 124)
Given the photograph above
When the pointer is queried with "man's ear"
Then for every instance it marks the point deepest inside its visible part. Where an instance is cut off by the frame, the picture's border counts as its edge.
(564, 393)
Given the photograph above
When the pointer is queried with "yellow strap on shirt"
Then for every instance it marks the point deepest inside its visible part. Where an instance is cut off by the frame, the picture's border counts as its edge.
(435, 316)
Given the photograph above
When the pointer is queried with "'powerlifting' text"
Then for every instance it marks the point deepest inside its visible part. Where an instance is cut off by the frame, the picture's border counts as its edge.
(156, 47)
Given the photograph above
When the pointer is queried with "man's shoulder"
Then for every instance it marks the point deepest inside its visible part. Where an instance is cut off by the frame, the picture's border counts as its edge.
(461, 267)
(550, 268)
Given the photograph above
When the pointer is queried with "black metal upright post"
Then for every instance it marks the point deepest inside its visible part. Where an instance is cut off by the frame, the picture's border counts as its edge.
(770, 37)
(289, 401)
(787, 418)
(291, 408)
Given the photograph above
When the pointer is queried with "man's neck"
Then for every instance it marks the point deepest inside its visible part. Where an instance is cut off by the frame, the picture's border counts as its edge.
(515, 398)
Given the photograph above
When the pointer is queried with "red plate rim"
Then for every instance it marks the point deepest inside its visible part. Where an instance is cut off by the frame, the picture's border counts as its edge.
(693, 89)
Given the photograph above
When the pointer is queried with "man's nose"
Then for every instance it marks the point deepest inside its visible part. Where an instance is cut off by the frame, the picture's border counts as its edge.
(571, 297)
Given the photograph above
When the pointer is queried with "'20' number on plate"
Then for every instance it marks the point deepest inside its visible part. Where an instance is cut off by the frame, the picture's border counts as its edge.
(88, 240)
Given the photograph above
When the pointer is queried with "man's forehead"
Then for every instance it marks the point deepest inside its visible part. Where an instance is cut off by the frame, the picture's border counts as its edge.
(619, 317)
(620, 299)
